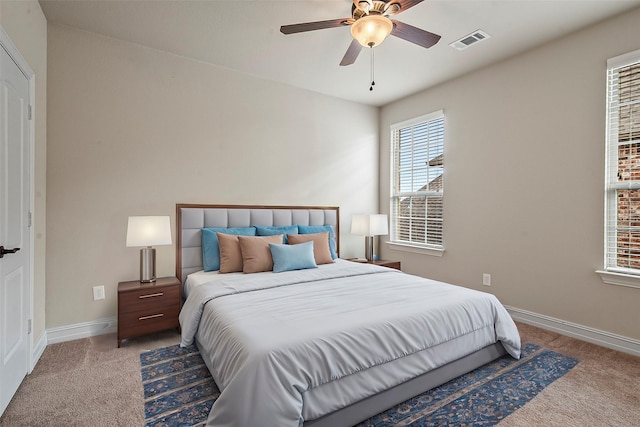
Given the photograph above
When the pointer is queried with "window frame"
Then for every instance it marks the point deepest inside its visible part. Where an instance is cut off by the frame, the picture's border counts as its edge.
(612, 273)
(394, 242)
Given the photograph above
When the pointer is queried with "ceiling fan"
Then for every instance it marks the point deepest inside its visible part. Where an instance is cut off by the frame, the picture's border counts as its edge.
(370, 25)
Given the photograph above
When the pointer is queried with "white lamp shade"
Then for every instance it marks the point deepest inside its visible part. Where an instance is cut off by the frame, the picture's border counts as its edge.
(371, 30)
(148, 231)
(369, 225)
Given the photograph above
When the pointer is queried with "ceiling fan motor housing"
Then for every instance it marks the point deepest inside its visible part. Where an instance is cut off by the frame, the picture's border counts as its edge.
(362, 8)
(362, 5)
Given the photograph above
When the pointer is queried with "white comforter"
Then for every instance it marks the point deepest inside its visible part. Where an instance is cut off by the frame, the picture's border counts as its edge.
(275, 337)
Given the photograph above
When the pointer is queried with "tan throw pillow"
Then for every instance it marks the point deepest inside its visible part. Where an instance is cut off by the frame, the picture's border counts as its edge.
(321, 251)
(230, 254)
(256, 255)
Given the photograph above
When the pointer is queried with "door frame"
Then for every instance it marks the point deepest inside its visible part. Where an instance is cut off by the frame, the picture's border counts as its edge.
(16, 56)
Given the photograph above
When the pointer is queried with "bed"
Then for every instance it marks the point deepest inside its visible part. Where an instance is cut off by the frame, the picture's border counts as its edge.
(330, 345)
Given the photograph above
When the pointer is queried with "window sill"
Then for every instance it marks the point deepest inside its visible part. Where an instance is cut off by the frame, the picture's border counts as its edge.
(404, 247)
(620, 279)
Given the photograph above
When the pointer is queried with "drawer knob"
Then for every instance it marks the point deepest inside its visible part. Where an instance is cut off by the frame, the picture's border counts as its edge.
(159, 294)
(153, 316)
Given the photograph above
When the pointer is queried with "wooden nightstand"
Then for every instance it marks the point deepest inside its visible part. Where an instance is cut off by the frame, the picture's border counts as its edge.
(148, 307)
(382, 262)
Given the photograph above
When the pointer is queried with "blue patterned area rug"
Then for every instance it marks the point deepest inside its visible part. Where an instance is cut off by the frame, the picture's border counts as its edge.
(178, 388)
(179, 391)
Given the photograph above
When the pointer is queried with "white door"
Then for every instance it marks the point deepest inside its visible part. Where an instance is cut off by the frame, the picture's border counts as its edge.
(14, 228)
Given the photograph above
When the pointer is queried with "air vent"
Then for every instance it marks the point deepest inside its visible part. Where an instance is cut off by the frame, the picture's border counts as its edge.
(468, 40)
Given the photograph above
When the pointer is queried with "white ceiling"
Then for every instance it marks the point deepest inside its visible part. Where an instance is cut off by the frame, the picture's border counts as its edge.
(244, 35)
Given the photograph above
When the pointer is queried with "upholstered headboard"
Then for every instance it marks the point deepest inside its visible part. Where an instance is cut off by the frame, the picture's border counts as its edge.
(190, 219)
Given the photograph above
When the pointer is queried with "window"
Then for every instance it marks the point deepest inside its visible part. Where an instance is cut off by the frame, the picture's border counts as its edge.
(622, 204)
(417, 155)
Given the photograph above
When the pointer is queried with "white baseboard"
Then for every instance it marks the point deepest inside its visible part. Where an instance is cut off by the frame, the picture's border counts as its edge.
(82, 330)
(37, 350)
(574, 330)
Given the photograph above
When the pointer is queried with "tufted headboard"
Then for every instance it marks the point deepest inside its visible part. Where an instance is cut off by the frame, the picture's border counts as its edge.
(190, 219)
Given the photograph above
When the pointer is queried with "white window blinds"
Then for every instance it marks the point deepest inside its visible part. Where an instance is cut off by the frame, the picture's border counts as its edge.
(417, 187)
(622, 240)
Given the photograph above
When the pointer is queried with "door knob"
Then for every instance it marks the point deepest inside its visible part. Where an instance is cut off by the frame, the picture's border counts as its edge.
(4, 251)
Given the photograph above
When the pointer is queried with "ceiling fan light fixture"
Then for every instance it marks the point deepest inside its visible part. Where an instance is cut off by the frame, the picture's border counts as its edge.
(371, 30)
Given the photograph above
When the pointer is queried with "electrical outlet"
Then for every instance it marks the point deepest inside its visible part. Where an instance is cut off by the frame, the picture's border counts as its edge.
(486, 279)
(98, 293)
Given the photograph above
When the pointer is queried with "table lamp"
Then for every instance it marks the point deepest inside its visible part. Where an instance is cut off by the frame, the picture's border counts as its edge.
(148, 231)
(369, 226)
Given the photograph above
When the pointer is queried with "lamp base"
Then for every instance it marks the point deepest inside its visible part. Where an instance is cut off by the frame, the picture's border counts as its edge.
(147, 265)
(368, 248)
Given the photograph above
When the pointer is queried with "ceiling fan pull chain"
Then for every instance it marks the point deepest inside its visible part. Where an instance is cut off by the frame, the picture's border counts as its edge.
(373, 83)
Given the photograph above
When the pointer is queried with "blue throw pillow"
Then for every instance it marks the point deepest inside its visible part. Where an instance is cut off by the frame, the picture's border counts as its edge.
(292, 257)
(312, 229)
(273, 231)
(210, 248)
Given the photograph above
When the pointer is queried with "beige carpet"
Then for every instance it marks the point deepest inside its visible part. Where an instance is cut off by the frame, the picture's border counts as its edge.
(91, 382)
(602, 390)
(88, 382)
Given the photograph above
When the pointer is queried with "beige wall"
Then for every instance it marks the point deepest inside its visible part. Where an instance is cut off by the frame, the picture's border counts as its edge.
(26, 25)
(133, 131)
(524, 179)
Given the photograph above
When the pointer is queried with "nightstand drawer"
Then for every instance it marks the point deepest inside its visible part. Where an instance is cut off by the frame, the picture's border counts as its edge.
(148, 298)
(143, 322)
(390, 264)
(148, 307)
(382, 262)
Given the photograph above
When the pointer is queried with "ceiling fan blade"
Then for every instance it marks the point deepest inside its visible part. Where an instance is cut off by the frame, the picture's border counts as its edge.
(404, 4)
(311, 26)
(352, 53)
(414, 35)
